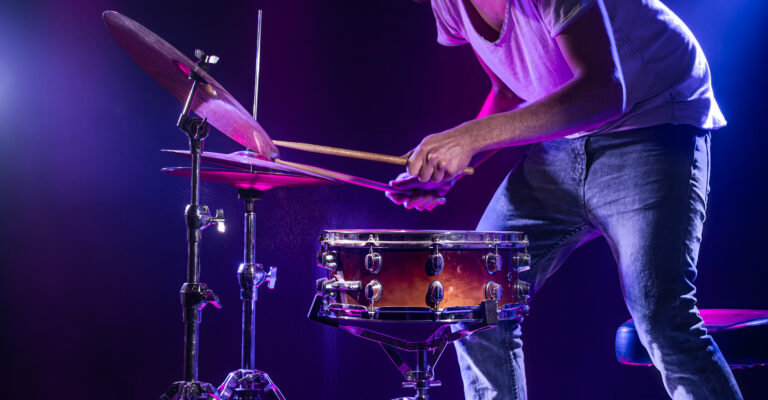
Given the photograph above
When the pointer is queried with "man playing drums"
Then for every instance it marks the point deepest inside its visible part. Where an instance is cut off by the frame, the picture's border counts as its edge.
(616, 100)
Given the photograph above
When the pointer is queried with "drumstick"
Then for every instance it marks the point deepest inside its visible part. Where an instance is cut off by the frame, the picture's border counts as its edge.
(340, 176)
(361, 155)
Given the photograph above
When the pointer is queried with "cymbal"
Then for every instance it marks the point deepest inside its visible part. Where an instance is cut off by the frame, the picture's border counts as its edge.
(247, 161)
(244, 160)
(171, 68)
(251, 180)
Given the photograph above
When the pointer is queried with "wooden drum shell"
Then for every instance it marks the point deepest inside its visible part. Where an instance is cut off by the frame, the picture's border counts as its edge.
(405, 278)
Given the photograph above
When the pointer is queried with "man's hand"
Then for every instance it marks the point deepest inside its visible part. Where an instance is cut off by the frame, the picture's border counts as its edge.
(442, 156)
(423, 196)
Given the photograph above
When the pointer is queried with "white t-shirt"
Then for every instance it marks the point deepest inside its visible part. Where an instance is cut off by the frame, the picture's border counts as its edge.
(665, 72)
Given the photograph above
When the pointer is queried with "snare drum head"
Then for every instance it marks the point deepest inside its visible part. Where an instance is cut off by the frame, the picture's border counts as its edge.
(404, 238)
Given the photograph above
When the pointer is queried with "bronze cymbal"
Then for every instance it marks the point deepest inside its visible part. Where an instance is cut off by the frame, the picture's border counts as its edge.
(244, 160)
(248, 162)
(251, 180)
(171, 68)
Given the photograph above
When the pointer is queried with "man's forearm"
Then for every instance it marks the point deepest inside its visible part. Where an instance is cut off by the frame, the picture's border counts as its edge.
(578, 106)
(496, 102)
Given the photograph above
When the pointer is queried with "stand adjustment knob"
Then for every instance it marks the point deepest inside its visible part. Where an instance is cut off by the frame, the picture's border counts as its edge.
(272, 277)
(218, 220)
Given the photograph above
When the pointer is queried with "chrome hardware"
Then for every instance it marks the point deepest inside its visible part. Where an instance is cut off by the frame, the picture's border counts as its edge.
(493, 261)
(510, 276)
(373, 291)
(218, 220)
(328, 260)
(199, 217)
(435, 263)
(358, 238)
(523, 289)
(328, 287)
(252, 276)
(373, 262)
(271, 277)
(493, 291)
(521, 262)
(435, 294)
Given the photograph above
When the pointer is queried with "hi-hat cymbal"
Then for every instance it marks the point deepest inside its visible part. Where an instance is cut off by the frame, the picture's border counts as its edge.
(251, 180)
(244, 160)
(171, 69)
(247, 162)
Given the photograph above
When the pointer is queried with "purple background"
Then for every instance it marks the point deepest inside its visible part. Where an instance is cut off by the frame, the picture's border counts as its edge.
(92, 239)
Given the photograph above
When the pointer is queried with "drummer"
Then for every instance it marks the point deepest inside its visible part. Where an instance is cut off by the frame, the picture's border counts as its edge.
(616, 100)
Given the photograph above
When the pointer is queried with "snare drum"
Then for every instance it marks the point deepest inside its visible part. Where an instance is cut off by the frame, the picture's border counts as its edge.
(408, 275)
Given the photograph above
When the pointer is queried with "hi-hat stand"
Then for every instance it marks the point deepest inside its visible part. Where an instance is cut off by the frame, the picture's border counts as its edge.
(248, 383)
(194, 294)
(428, 352)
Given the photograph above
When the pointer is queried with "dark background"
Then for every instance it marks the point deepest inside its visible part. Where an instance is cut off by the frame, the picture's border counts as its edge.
(92, 245)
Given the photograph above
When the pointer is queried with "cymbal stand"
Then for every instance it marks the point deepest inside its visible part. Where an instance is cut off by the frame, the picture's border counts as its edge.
(248, 383)
(194, 294)
(428, 352)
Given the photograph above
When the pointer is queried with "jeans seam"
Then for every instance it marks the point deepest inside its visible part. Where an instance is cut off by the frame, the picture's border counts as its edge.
(510, 364)
(583, 184)
(688, 217)
(562, 239)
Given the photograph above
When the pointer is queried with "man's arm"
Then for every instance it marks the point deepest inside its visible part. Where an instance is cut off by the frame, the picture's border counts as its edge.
(594, 96)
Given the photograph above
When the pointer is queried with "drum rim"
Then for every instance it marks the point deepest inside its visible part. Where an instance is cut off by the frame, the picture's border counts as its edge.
(422, 238)
(354, 312)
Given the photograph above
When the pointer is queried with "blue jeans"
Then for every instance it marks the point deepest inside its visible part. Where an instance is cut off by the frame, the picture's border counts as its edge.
(645, 190)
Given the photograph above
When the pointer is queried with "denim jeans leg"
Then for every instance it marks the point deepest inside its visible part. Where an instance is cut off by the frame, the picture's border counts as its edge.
(646, 191)
(540, 197)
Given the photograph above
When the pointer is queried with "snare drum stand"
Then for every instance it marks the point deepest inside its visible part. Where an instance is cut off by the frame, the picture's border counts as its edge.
(248, 383)
(195, 295)
(428, 352)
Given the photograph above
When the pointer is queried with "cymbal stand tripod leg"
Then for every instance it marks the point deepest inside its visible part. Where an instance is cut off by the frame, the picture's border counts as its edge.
(194, 294)
(248, 383)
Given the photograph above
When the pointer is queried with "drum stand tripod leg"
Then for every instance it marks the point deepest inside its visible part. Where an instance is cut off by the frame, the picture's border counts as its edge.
(419, 378)
(248, 383)
(427, 352)
(194, 294)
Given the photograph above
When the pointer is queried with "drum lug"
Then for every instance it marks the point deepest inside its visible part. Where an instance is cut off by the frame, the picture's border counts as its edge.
(373, 292)
(523, 289)
(493, 261)
(521, 262)
(373, 262)
(435, 294)
(435, 263)
(493, 291)
(328, 260)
